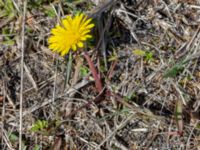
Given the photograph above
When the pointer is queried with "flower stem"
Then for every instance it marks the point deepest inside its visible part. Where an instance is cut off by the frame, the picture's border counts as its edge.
(97, 80)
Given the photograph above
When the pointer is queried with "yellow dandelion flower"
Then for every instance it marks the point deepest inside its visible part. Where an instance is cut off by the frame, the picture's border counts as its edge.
(71, 34)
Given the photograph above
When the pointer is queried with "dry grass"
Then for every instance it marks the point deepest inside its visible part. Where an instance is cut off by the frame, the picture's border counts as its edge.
(147, 53)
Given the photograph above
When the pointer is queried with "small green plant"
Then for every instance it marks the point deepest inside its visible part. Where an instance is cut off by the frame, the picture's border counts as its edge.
(84, 71)
(7, 9)
(49, 11)
(7, 39)
(14, 138)
(113, 57)
(175, 70)
(39, 125)
(148, 56)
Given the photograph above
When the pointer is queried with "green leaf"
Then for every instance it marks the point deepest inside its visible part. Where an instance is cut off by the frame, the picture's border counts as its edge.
(36, 147)
(49, 11)
(84, 71)
(1, 3)
(39, 125)
(8, 42)
(13, 137)
(113, 57)
(174, 71)
(9, 8)
(149, 56)
(139, 52)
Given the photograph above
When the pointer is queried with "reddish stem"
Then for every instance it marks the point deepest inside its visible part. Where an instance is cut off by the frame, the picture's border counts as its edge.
(97, 80)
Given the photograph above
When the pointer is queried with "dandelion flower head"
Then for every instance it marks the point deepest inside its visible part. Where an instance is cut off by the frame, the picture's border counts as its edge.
(71, 34)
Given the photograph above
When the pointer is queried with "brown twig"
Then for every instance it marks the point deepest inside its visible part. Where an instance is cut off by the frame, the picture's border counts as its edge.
(97, 100)
(110, 73)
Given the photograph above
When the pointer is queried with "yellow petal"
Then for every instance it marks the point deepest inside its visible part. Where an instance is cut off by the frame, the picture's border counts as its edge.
(64, 52)
(89, 26)
(85, 32)
(52, 46)
(83, 20)
(80, 44)
(83, 38)
(66, 23)
(74, 47)
(86, 23)
(52, 39)
(86, 28)
(77, 20)
(88, 36)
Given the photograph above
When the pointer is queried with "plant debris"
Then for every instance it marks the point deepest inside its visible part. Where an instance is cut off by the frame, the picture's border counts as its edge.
(145, 55)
